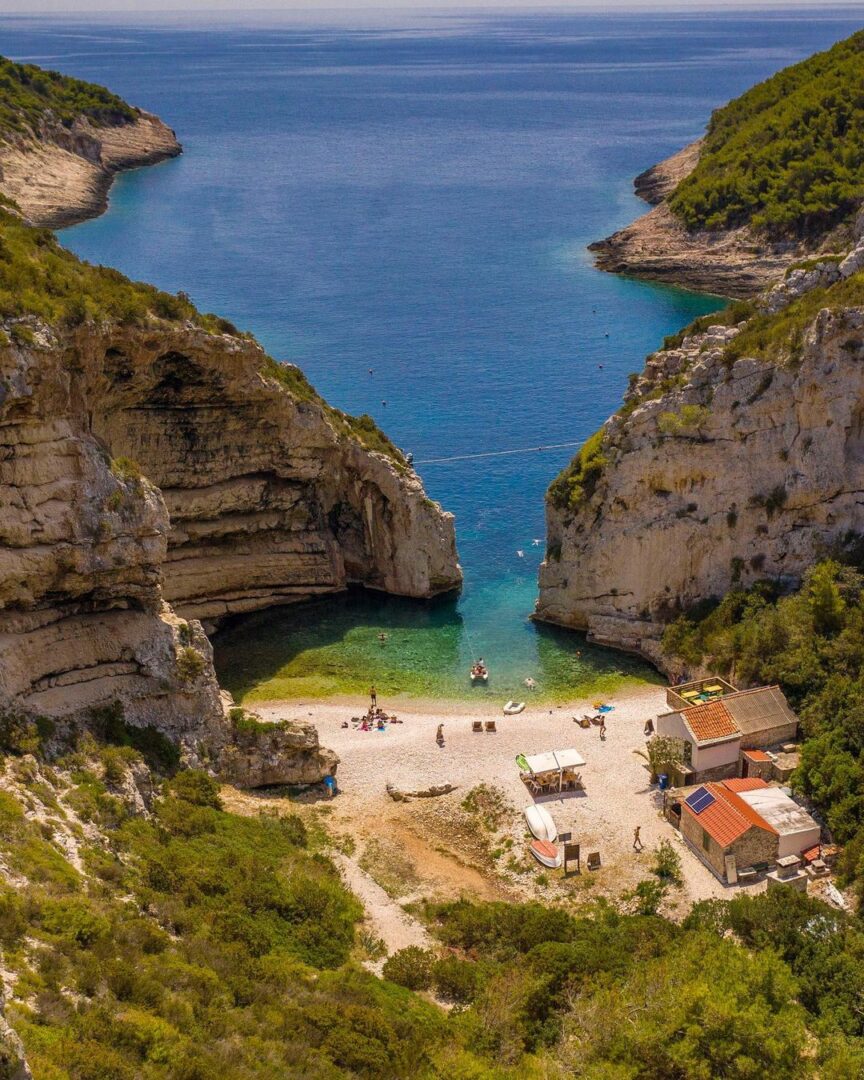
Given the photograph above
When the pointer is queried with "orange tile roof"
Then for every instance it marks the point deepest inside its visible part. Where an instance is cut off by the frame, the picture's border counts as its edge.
(710, 721)
(757, 755)
(811, 853)
(728, 817)
(744, 783)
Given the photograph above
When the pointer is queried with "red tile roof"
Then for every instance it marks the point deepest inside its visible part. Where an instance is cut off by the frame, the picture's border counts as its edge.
(757, 755)
(811, 853)
(728, 817)
(744, 783)
(710, 721)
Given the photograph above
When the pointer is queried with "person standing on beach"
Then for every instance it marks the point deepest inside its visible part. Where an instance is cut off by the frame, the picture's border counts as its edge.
(637, 839)
(439, 735)
(374, 696)
(602, 729)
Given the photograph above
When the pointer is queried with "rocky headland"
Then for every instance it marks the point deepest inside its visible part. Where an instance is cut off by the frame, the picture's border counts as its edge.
(59, 174)
(658, 246)
(737, 453)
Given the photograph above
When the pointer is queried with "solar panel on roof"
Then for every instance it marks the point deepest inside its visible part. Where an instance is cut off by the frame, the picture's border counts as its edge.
(699, 800)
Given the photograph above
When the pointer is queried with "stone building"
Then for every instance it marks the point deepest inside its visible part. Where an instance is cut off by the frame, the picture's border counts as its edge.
(743, 824)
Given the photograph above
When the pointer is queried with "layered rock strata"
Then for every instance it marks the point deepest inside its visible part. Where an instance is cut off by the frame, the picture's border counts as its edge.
(60, 174)
(719, 471)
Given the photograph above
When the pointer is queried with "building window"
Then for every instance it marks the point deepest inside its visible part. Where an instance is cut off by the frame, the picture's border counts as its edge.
(706, 841)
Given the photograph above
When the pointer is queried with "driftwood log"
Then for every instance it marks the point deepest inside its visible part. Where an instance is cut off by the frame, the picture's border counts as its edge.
(428, 793)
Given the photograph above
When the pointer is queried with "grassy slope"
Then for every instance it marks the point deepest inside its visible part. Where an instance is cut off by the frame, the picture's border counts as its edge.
(29, 93)
(787, 156)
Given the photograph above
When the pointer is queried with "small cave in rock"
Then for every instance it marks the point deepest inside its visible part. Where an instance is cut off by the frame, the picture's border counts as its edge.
(118, 367)
(175, 376)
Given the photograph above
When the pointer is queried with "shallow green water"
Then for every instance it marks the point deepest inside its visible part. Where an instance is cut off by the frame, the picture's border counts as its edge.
(332, 648)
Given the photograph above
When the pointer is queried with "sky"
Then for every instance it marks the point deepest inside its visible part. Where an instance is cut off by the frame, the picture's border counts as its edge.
(145, 7)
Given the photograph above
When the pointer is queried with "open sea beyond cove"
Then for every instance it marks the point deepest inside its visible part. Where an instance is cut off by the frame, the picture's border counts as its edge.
(414, 196)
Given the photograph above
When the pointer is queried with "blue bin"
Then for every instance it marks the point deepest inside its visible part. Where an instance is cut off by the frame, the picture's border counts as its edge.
(663, 781)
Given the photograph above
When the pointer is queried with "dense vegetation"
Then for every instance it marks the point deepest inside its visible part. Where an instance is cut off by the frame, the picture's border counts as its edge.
(811, 642)
(28, 92)
(787, 157)
(40, 278)
(195, 943)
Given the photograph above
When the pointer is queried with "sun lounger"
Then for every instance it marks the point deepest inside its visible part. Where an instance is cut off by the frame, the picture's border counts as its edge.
(477, 725)
(594, 860)
(490, 725)
(715, 688)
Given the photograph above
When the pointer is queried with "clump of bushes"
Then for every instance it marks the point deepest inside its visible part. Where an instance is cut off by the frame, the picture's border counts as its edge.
(190, 664)
(578, 481)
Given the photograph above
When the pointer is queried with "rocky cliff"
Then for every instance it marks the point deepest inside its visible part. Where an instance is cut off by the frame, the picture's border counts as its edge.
(59, 173)
(738, 455)
(148, 465)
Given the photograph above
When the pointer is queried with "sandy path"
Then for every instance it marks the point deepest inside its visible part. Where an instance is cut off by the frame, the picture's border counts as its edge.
(387, 920)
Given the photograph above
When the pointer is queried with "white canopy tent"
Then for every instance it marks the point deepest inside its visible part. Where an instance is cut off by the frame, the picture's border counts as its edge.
(555, 761)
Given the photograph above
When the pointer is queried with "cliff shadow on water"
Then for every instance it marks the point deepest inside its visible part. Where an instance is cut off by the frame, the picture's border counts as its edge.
(332, 647)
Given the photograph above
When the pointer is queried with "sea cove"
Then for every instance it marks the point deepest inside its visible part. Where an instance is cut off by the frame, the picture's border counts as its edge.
(415, 198)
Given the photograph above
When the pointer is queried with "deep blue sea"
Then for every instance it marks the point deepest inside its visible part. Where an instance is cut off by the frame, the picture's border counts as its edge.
(413, 194)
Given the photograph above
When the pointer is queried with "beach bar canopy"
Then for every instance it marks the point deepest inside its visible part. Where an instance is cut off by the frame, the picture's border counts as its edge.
(555, 761)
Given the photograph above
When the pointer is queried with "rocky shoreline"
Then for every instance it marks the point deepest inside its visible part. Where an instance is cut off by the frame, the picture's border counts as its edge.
(656, 246)
(60, 175)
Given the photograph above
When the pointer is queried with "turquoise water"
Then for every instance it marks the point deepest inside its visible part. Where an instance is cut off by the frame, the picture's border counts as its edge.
(414, 195)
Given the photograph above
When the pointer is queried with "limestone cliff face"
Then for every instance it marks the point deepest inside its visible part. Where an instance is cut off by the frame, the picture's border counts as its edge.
(248, 496)
(726, 472)
(82, 619)
(270, 498)
(60, 174)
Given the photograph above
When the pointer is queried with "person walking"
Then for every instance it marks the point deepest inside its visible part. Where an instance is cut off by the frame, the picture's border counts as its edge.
(637, 839)
(602, 729)
(439, 735)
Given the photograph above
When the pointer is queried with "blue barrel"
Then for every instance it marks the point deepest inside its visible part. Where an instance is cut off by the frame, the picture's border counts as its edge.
(663, 781)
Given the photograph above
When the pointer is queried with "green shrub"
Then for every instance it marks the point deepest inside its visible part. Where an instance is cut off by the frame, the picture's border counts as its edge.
(578, 481)
(195, 787)
(667, 864)
(687, 421)
(124, 468)
(455, 979)
(411, 967)
(190, 664)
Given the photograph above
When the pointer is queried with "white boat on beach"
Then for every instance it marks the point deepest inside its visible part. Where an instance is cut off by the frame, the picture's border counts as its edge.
(546, 854)
(540, 823)
(514, 707)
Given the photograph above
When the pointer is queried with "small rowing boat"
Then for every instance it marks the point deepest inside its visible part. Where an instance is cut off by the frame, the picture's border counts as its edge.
(479, 673)
(545, 853)
(540, 822)
(514, 707)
